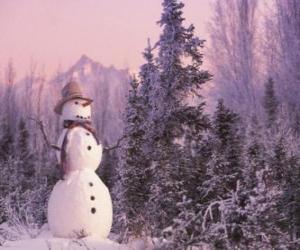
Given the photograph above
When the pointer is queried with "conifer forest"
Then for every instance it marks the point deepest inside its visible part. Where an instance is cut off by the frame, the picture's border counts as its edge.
(201, 146)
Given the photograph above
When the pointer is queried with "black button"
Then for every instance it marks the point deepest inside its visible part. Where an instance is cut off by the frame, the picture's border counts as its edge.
(87, 133)
(81, 117)
(91, 184)
(89, 147)
(92, 198)
(77, 116)
(93, 210)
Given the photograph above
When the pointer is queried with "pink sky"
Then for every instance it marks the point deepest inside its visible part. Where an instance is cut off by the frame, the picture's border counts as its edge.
(112, 32)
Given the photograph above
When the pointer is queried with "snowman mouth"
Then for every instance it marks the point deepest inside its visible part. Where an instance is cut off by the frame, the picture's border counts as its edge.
(83, 117)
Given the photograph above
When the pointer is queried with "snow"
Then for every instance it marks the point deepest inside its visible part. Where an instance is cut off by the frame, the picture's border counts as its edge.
(87, 69)
(75, 75)
(46, 241)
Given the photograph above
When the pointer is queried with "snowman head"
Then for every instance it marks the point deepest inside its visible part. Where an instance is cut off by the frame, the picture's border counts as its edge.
(76, 110)
(73, 105)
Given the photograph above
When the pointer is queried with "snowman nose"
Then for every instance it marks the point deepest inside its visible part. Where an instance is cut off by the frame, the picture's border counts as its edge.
(86, 104)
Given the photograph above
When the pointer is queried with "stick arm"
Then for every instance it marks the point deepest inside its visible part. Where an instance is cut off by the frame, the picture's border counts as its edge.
(42, 128)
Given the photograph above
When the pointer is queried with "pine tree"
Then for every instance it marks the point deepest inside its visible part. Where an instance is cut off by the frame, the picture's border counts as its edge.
(261, 229)
(290, 204)
(6, 160)
(260, 196)
(134, 174)
(279, 160)
(148, 76)
(222, 199)
(6, 141)
(226, 150)
(186, 230)
(108, 168)
(171, 114)
(24, 156)
(255, 153)
(270, 103)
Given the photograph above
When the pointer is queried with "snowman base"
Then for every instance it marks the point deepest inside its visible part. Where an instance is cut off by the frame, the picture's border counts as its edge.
(80, 206)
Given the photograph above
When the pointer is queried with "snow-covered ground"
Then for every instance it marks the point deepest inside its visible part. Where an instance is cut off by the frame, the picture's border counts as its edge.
(61, 244)
(45, 241)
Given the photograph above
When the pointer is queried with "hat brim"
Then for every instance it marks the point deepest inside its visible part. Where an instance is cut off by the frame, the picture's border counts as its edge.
(59, 105)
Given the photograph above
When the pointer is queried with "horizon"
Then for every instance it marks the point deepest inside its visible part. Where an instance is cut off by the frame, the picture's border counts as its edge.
(55, 34)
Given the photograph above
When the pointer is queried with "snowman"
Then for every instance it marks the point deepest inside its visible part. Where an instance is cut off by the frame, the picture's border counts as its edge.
(80, 204)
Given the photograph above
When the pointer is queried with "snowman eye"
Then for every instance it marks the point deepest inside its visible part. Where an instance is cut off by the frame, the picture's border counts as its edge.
(76, 103)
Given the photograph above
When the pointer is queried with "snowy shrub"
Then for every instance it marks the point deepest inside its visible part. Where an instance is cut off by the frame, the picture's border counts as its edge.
(25, 212)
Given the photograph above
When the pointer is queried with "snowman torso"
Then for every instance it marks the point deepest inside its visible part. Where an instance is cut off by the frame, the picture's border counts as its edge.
(82, 150)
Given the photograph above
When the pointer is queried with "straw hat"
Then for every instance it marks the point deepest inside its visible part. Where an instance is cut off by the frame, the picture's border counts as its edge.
(71, 91)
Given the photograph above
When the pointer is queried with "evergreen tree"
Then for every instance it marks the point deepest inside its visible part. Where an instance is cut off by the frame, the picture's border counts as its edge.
(6, 160)
(134, 174)
(284, 166)
(255, 155)
(258, 191)
(225, 166)
(290, 204)
(186, 230)
(136, 124)
(148, 76)
(171, 114)
(108, 168)
(24, 156)
(261, 229)
(270, 103)
(221, 191)
(279, 161)
(6, 142)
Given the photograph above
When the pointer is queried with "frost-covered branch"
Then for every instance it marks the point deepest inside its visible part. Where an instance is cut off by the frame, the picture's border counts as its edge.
(117, 145)
(208, 212)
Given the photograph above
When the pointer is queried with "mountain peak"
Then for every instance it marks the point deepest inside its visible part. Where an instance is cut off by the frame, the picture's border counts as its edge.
(84, 59)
